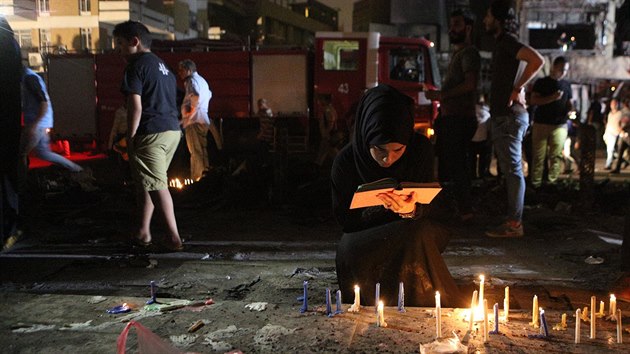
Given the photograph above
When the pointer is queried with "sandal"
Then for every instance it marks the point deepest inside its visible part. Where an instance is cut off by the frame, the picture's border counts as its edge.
(136, 242)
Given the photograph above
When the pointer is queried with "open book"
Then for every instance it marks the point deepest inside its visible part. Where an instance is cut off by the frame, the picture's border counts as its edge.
(365, 195)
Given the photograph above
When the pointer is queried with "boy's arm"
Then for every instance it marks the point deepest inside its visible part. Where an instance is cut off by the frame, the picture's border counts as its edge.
(134, 112)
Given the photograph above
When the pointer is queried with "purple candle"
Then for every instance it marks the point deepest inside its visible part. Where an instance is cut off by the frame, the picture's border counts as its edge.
(153, 299)
(377, 295)
(328, 304)
(401, 297)
(119, 309)
(543, 323)
(305, 300)
(339, 310)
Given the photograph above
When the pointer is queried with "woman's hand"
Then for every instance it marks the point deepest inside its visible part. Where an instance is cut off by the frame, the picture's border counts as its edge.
(401, 204)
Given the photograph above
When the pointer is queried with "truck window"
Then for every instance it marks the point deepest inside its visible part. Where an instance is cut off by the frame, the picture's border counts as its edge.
(406, 65)
(341, 55)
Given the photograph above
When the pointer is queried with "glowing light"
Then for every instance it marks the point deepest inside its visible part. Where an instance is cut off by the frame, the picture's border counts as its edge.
(179, 184)
(430, 132)
(613, 88)
(431, 44)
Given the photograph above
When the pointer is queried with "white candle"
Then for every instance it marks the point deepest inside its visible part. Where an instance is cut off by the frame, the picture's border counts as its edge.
(377, 296)
(473, 306)
(613, 305)
(601, 309)
(485, 320)
(357, 300)
(481, 291)
(380, 318)
(578, 315)
(506, 304)
(593, 317)
(535, 317)
(619, 328)
(438, 315)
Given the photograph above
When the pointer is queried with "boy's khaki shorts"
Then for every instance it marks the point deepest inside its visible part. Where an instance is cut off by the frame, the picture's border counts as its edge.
(149, 157)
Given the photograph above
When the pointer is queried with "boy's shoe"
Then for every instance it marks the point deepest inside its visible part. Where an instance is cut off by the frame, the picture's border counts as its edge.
(507, 230)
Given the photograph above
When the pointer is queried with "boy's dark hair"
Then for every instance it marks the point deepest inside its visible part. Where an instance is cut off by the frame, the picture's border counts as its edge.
(560, 61)
(504, 11)
(469, 18)
(188, 65)
(130, 29)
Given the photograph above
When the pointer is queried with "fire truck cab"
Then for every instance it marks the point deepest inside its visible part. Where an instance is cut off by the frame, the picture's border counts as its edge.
(346, 64)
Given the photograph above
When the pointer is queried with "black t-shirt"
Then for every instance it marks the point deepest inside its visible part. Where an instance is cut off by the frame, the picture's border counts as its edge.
(505, 67)
(147, 75)
(555, 112)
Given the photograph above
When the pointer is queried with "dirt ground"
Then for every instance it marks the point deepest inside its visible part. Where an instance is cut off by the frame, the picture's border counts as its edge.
(242, 249)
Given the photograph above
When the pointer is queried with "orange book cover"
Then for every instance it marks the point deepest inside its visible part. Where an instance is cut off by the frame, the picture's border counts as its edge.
(366, 194)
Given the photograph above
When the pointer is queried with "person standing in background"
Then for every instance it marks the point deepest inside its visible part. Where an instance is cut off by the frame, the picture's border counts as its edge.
(613, 128)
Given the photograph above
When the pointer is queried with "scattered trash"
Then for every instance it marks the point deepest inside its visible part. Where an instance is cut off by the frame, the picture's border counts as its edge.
(124, 308)
(96, 299)
(205, 257)
(32, 328)
(195, 326)
(613, 239)
(219, 347)
(228, 277)
(152, 264)
(148, 342)
(76, 326)
(183, 340)
(257, 306)
(270, 334)
(594, 260)
(215, 339)
(446, 345)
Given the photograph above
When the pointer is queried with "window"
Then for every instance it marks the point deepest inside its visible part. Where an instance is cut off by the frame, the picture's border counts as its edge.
(406, 65)
(43, 7)
(86, 39)
(24, 38)
(6, 7)
(45, 40)
(85, 7)
(341, 55)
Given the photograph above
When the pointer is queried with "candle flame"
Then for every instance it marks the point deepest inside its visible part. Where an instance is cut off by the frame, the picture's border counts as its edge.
(481, 277)
(612, 297)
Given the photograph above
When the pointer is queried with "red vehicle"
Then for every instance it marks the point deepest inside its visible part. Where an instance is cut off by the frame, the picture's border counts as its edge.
(348, 63)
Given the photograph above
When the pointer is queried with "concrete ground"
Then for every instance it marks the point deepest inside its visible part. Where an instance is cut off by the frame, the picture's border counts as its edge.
(73, 264)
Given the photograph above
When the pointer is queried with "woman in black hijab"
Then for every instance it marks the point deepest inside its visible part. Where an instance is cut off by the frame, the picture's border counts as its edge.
(393, 242)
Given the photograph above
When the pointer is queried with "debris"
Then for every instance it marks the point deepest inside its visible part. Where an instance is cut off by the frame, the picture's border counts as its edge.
(215, 338)
(447, 345)
(152, 264)
(148, 342)
(238, 292)
(76, 326)
(594, 260)
(195, 326)
(183, 340)
(220, 347)
(96, 299)
(257, 306)
(119, 309)
(270, 334)
(32, 328)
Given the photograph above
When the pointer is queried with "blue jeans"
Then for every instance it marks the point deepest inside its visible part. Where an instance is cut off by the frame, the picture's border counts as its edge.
(507, 136)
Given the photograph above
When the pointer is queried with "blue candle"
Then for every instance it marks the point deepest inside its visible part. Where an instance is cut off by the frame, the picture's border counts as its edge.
(153, 299)
(119, 309)
(401, 297)
(543, 323)
(328, 304)
(377, 295)
(305, 300)
(339, 310)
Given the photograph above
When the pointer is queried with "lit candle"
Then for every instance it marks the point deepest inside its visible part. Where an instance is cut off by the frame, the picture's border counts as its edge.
(339, 309)
(563, 322)
(601, 309)
(380, 318)
(535, 312)
(543, 323)
(593, 317)
(473, 306)
(357, 300)
(401, 297)
(328, 304)
(619, 328)
(613, 305)
(377, 296)
(438, 315)
(506, 304)
(585, 314)
(496, 318)
(577, 325)
(485, 320)
(481, 286)
(305, 300)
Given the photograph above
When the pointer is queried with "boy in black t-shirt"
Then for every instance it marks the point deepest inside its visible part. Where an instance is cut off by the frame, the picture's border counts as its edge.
(153, 128)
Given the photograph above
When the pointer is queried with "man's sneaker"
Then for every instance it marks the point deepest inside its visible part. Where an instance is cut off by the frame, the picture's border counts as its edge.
(508, 229)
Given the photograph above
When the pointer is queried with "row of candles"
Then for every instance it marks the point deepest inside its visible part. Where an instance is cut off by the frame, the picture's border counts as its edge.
(479, 311)
(179, 184)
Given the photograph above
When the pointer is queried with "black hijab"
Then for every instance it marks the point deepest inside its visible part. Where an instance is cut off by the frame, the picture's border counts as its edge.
(384, 115)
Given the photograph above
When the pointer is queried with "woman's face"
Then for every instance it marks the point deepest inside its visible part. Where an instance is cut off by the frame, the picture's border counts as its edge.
(387, 154)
